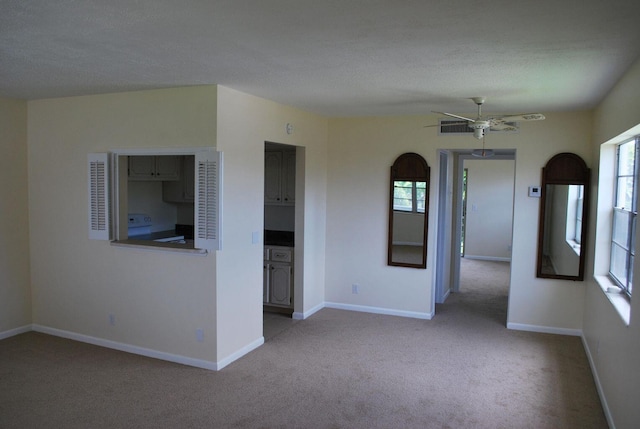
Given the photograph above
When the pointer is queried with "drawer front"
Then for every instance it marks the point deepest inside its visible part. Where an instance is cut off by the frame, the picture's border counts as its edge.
(280, 255)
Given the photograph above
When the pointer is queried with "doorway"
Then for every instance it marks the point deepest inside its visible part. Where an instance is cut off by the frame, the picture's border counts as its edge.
(475, 222)
(282, 263)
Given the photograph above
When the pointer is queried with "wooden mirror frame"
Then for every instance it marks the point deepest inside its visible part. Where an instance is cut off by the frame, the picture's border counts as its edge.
(409, 167)
(564, 169)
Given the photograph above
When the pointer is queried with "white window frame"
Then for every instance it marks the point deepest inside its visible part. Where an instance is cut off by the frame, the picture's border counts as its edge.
(628, 247)
(208, 195)
(414, 198)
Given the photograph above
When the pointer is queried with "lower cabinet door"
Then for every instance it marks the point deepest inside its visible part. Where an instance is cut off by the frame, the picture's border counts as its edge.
(280, 284)
(266, 268)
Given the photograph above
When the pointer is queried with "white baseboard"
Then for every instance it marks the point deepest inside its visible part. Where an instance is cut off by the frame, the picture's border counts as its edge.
(446, 295)
(487, 258)
(603, 399)
(237, 355)
(301, 316)
(15, 331)
(379, 310)
(183, 360)
(544, 329)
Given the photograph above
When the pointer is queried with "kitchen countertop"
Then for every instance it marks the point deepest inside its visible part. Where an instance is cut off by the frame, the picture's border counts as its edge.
(157, 235)
(278, 238)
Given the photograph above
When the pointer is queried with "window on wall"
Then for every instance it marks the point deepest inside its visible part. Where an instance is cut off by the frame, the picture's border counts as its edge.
(624, 215)
(165, 198)
(575, 203)
(409, 196)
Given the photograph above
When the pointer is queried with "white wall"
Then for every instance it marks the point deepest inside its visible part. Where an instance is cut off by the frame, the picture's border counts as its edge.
(361, 151)
(534, 303)
(614, 348)
(158, 299)
(245, 122)
(15, 292)
(489, 208)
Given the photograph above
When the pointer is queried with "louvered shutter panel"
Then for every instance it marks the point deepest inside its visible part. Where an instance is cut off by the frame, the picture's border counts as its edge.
(208, 200)
(99, 207)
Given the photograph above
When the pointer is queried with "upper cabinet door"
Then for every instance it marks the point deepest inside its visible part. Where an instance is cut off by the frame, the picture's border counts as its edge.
(168, 167)
(272, 177)
(280, 177)
(142, 167)
(289, 177)
(160, 167)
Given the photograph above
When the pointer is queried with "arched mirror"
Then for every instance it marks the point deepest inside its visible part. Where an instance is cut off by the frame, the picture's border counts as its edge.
(408, 211)
(563, 222)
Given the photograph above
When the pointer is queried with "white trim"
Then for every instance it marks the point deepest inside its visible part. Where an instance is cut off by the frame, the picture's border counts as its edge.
(16, 331)
(183, 360)
(603, 399)
(238, 354)
(487, 258)
(304, 315)
(161, 151)
(544, 329)
(616, 297)
(379, 310)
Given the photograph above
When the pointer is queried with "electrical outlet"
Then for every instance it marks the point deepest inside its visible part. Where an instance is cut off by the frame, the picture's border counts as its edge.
(355, 288)
(199, 335)
(112, 319)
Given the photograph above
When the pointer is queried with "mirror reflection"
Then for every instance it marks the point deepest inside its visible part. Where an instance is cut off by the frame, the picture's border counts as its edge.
(562, 229)
(408, 211)
(563, 223)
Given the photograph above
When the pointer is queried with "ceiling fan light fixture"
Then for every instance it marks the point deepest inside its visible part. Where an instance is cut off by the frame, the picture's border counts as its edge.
(478, 133)
(482, 153)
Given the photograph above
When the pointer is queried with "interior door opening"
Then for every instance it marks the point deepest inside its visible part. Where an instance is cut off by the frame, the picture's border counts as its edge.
(479, 219)
(282, 286)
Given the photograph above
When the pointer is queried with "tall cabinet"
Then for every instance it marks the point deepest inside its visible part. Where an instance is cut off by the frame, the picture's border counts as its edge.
(280, 177)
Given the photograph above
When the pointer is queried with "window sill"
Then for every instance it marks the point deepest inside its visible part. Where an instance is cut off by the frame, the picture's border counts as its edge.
(161, 247)
(574, 246)
(617, 298)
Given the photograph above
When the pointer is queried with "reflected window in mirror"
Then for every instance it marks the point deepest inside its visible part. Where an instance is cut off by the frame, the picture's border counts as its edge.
(563, 224)
(408, 211)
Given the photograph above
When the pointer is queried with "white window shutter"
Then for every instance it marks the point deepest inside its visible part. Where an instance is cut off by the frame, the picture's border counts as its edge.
(99, 204)
(208, 201)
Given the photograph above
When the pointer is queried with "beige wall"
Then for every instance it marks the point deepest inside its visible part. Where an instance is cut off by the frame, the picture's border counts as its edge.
(361, 151)
(543, 304)
(614, 348)
(245, 122)
(15, 293)
(158, 299)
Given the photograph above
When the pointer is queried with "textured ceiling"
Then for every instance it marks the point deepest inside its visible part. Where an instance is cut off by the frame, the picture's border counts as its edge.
(333, 57)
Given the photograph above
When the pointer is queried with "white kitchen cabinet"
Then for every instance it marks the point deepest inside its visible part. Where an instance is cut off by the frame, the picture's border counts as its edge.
(156, 168)
(280, 177)
(183, 190)
(280, 284)
(278, 276)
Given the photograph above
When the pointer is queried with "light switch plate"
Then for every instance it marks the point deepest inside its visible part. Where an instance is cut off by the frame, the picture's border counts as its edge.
(534, 191)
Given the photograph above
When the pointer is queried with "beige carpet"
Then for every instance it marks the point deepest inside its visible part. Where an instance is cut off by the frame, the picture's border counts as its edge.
(337, 369)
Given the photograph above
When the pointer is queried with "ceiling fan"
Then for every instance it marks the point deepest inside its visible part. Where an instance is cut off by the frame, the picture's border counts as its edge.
(480, 124)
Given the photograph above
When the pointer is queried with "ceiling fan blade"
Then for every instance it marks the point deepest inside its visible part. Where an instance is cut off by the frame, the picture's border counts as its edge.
(503, 126)
(455, 116)
(521, 117)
